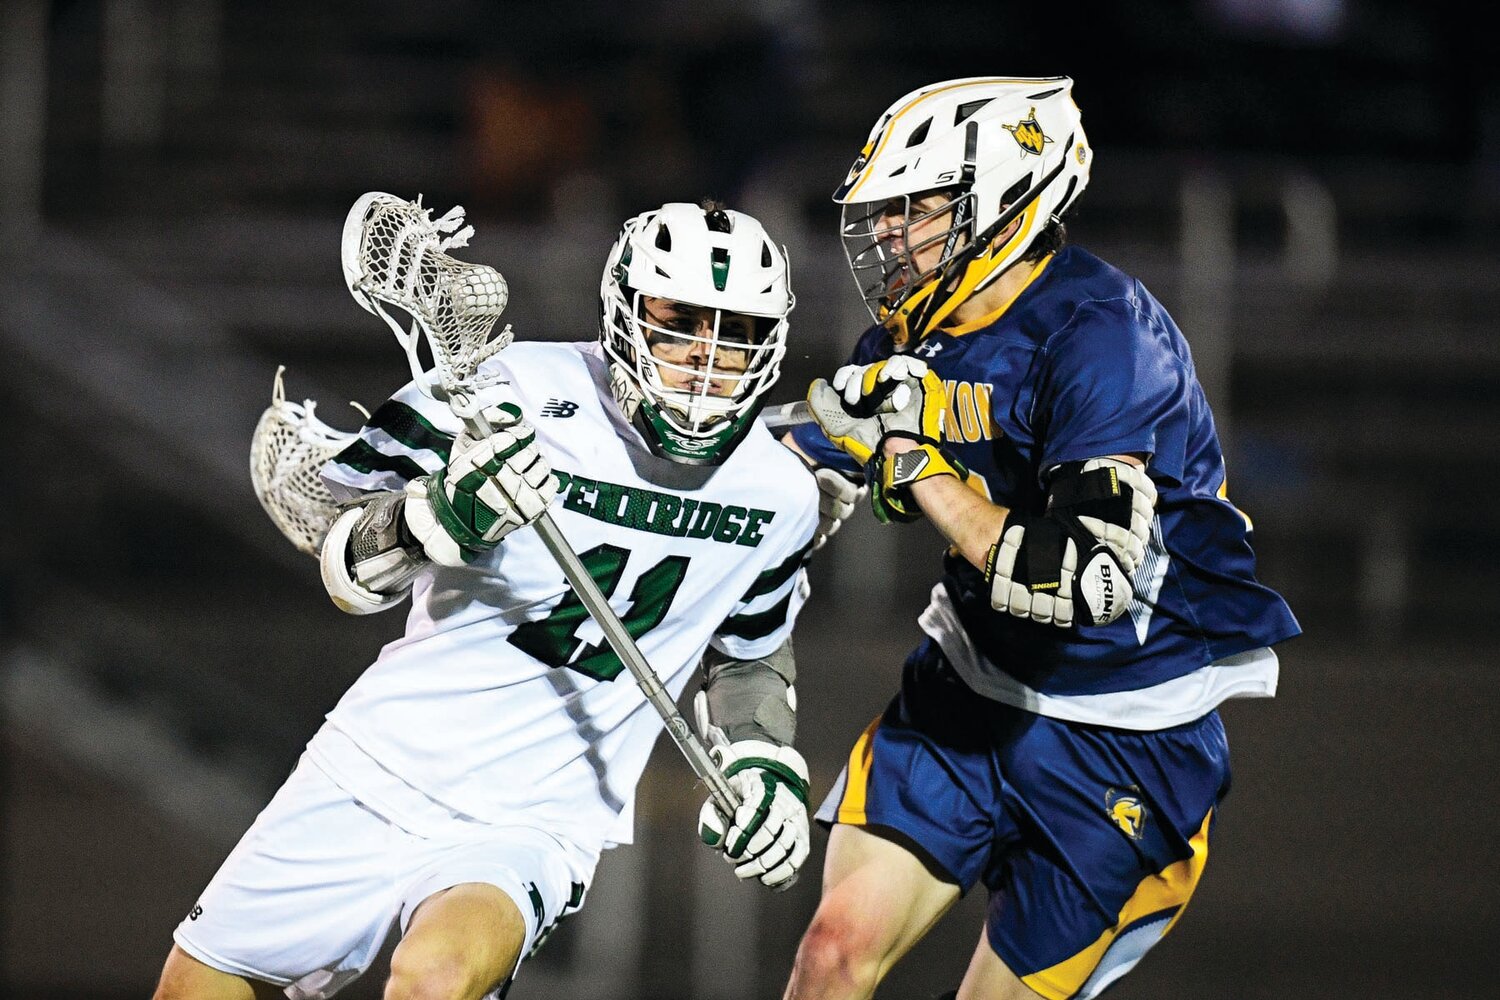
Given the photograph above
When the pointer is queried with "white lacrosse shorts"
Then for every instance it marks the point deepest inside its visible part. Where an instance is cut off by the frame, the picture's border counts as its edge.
(310, 893)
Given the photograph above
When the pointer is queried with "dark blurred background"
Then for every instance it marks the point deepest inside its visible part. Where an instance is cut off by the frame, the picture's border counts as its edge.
(1309, 185)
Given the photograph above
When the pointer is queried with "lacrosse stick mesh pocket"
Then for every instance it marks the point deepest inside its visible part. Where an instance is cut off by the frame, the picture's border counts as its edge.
(402, 261)
(289, 447)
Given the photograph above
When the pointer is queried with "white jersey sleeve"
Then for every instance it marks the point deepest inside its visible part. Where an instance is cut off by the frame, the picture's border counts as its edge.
(409, 435)
(762, 620)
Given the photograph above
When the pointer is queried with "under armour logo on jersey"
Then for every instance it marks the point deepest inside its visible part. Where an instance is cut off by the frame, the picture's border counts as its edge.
(928, 348)
(559, 408)
(195, 913)
(1126, 811)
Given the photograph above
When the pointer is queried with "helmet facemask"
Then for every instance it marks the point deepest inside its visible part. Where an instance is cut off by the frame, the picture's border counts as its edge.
(903, 297)
(884, 257)
(698, 368)
(695, 351)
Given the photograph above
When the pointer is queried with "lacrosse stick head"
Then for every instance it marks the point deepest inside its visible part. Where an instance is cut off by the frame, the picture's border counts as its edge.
(395, 254)
(287, 451)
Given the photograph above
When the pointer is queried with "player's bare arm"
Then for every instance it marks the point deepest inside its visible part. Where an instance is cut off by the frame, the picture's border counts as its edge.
(1072, 563)
(966, 518)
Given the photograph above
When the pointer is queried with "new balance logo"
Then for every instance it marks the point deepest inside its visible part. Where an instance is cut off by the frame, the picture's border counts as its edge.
(559, 408)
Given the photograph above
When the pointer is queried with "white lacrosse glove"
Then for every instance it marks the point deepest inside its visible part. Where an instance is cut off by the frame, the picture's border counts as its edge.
(865, 405)
(768, 838)
(490, 487)
(838, 495)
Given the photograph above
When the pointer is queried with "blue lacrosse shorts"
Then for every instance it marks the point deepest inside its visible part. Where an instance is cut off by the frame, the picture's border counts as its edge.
(1091, 840)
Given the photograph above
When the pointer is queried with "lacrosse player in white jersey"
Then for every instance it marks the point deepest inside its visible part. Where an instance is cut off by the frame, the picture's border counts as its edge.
(463, 788)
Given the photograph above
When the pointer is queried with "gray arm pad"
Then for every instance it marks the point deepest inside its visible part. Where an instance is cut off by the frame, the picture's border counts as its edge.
(753, 699)
(383, 558)
(367, 562)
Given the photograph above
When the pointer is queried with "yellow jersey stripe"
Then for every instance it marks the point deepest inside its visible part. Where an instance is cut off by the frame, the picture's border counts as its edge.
(852, 805)
(1171, 887)
(990, 317)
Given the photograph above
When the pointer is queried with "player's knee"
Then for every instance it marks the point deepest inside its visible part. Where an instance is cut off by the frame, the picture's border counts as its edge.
(838, 949)
(435, 974)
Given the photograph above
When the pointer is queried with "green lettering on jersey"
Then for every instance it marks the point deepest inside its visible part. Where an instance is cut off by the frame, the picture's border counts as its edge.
(704, 520)
(730, 524)
(664, 517)
(753, 523)
(660, 513)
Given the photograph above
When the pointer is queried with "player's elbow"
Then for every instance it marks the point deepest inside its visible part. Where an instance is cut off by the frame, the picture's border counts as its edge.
(348, 593)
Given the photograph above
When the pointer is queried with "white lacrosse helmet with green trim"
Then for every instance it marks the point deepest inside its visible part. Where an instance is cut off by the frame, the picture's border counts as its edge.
(710, 291)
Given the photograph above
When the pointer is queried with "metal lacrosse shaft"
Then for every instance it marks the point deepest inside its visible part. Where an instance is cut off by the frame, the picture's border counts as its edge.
(616, 635)
(786, 416)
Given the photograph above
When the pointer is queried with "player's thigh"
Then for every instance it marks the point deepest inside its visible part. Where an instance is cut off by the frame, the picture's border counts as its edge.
(183, 977)
(463, 941)
(988, 978)
(306, 898)
(879, 898)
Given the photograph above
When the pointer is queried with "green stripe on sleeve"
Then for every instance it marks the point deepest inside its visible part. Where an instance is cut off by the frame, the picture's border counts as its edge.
(774, 578)
(412, 429)
(757, 626)
(361, 456)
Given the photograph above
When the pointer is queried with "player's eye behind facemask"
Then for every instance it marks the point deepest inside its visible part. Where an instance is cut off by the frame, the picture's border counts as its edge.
(704, 360)
(898, 245)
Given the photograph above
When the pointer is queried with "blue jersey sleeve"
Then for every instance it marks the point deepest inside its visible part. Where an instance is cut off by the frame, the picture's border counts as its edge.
(873, 344)
(1116, 384)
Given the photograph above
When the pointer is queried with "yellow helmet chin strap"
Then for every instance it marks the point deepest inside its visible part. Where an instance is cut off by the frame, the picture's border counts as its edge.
(899, 320)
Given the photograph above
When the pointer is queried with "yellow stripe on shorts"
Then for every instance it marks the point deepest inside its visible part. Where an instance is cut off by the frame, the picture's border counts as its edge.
(852, 805)
(1171, 887)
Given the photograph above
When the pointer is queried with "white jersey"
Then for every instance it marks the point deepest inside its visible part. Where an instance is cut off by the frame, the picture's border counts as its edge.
(502, 701)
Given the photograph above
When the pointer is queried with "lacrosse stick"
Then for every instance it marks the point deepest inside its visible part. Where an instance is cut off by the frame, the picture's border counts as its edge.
(393, 254)
(287, 450)
(786, 416)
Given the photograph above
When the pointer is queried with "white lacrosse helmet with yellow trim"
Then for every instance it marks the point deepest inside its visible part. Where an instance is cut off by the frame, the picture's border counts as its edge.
(722, 264)
(1003, 149)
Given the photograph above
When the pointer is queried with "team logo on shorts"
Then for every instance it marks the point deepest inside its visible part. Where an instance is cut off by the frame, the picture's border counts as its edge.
(1028, 133)
(1126, 811)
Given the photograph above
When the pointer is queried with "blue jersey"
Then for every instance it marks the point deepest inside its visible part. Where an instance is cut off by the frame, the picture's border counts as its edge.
(1085, 363)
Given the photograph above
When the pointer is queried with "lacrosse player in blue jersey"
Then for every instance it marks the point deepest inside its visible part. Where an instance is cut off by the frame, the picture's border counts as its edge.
(1055, 735)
